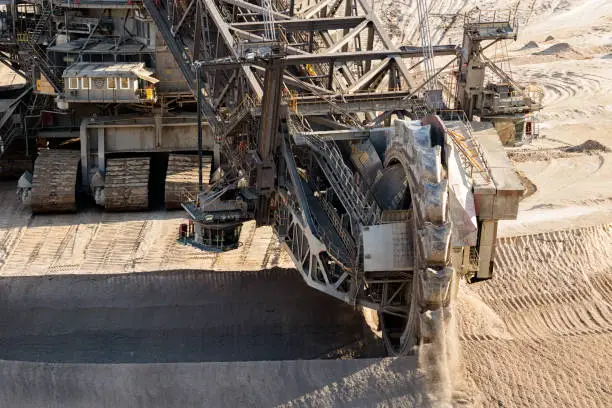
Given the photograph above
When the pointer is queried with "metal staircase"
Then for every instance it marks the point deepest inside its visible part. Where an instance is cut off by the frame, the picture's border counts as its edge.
(35, 55)
(45, 12)
(235, 117)
(7, 138)
(348, 241)
(362, 209)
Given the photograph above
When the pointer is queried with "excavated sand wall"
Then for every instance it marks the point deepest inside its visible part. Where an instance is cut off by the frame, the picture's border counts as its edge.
(176, 316)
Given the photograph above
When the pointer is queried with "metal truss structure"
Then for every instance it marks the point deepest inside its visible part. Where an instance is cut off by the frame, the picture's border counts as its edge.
(288, 106)
(300, 97)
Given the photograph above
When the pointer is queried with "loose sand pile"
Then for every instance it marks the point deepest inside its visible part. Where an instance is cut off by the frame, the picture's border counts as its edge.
(560, 50)
(530, 45)
(588, 147)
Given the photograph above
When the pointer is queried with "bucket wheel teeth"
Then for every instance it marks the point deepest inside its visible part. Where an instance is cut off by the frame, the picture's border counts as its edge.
(431, 292)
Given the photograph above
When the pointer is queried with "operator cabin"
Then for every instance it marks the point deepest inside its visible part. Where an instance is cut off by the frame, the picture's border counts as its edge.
(109, 82)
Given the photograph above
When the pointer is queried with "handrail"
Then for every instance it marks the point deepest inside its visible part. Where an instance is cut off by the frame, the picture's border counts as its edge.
(469, 147)
(331, 161)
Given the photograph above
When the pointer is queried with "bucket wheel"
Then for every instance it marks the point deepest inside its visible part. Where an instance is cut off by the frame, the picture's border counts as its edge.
(419, 304)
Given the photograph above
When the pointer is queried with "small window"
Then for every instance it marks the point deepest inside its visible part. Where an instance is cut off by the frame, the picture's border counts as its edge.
(85, 83)
(111, 83)
(73, 83)
(125, 83)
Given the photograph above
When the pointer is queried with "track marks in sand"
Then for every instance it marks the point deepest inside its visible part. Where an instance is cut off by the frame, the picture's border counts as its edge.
(100, 242)
(567, 83)
(545, 283)
(550, 306)
(555, 373)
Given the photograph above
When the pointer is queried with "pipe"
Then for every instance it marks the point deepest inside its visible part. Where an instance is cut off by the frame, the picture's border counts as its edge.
(199, 98)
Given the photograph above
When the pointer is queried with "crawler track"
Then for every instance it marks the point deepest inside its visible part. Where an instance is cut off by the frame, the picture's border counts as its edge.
(127, 184)
(182, 178)
(54, 181)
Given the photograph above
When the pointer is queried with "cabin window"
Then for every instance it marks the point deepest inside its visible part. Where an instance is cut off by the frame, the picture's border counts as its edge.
(125, 83)
(85, 83)
(111, 83)
(73, 83)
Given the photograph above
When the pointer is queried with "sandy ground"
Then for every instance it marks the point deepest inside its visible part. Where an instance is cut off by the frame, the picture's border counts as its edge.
(322, 383)
(540, 332)
(577, 83)
(103, 243)
(537, 335)
(576, 79)
(9, 77)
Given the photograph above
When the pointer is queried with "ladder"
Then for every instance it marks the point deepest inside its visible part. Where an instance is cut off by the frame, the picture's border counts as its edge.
(45, 13)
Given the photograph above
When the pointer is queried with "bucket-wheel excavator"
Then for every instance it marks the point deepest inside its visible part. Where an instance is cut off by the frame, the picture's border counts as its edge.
(303, 115)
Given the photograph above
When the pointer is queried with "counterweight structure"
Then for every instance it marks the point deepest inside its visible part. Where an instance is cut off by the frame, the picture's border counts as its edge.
(313, 121)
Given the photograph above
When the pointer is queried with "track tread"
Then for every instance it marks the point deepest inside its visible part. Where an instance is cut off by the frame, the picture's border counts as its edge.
(126, 184)
(182, 178)
(54, 181)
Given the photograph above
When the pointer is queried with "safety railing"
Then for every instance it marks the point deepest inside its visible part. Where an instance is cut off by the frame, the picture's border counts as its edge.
(491, 19)
(472, 154)
(146, 95)
(337, 223)
(344, 260)
(341, 179)
(532, 92)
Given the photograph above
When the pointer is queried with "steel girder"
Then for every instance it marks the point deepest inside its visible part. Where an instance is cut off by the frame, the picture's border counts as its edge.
(339, 49)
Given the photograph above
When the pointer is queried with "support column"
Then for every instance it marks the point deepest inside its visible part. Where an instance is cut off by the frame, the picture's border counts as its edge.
(486, 248)
(101, 152)
(348, 11)
(369, 45)
(157, 120)
(84, 138)
(216, 155)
